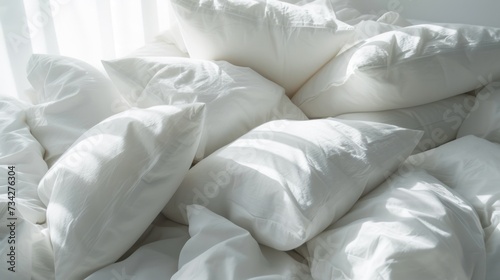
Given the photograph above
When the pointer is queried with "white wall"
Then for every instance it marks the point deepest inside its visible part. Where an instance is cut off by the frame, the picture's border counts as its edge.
(480, 12)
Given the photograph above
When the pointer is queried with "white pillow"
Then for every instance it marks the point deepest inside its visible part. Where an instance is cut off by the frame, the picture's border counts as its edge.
(72, 96)
(286, 181)
(219, 249)
(368, 25)
(110, 185)
(237, 98)
(285, 43)
(21, 163)
(438, 120)
(484, 117)
(411, 227)
(470, 165)
(410, 66)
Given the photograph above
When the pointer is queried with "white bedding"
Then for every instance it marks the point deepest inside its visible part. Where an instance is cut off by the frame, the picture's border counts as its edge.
(262, 191)
(438, 222)
(411, 227)
(470, 166)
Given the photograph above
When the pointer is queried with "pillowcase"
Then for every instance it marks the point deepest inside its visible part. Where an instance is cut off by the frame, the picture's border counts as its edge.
(237, 98)
(72, 96)
(110, 185)
(21, 163)
(218, 249)
(406, 67)
(470, 166)
(411, 227)
(369, 25)
(484, 117)
(286, 181)
(285, 43)
(438, 120)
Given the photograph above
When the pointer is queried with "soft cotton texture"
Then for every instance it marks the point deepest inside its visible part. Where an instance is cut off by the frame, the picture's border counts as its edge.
(22, 156)
(411, 227)
(71, 97)
(285, 43)
(156, 257)
(237, 98)
(369, 25)
(286, 181)
(218, 249)
(410, 66)
(470, 165)
(484, 119)
(109, 186)
(440, 120)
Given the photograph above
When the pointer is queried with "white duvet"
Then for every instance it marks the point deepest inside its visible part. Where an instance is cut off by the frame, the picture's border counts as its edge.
(471, 165)
(411, 227)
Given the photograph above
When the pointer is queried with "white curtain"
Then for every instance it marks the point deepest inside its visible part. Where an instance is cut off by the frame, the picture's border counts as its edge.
(89, 30)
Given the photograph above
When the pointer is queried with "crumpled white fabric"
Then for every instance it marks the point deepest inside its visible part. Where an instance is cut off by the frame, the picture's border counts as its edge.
(283, 42)
(71, 97)
(484, 117)
(406, 67)
(286, 181)
(438, 120)
(411, 227)
(156, 257)
(105, 191)
(218, 249)
(237, 98)
(19, 149)
(367, 26)
(471, 166)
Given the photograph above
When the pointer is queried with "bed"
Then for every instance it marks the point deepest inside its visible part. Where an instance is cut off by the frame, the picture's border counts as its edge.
(260, 140)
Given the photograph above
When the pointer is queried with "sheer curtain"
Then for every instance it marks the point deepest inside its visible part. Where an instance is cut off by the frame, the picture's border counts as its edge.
(89, 30)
